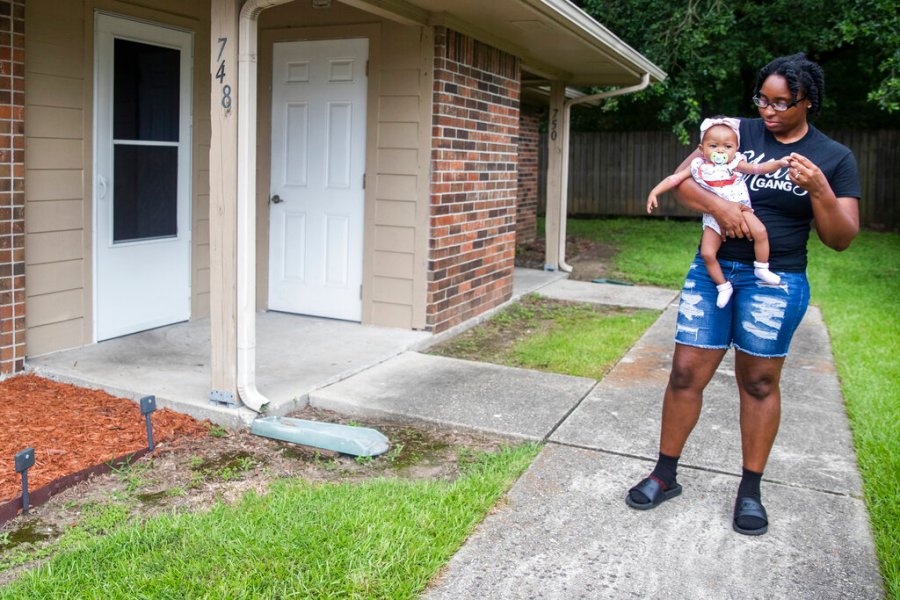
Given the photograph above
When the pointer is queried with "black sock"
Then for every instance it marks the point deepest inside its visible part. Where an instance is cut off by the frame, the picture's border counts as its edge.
(665, 469)
(749, 487)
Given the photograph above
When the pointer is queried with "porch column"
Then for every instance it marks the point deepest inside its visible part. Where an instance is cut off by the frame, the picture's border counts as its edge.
(557, 130)
(223, 200)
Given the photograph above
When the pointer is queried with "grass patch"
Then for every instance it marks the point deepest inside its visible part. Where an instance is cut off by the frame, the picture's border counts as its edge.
(857, 291)
(383, 538)
(650, 251)
(550, 335)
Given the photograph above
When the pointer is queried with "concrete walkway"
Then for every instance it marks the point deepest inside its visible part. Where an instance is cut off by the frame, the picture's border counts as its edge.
(565, 531)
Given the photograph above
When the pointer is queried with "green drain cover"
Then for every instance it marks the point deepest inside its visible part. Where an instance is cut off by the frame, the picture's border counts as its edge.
(346, 439)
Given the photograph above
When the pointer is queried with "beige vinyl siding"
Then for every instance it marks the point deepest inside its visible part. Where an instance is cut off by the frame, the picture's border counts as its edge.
(397, 153)
(55, 276)
(54, 173)
(58, 161)
(54, 166)
(399, 228)
(404, 154)
(200, 258)
(50, 215)
(202, 132)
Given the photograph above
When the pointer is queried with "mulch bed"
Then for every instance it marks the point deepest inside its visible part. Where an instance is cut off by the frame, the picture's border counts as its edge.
(72, 429)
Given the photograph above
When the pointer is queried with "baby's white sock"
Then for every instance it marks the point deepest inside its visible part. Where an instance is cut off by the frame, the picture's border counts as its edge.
(761, 270)
(725, 291)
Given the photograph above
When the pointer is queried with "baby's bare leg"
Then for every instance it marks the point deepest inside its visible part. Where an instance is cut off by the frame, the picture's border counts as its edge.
(710, 243)
(760, 249)
(760, 236)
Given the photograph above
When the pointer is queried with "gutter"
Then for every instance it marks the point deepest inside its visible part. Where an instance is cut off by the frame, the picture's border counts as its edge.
(567, 108)
(246, 204)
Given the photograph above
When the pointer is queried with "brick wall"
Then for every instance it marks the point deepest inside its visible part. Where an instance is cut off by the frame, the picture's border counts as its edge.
(12, 185)
(527, 201)
(474, 179)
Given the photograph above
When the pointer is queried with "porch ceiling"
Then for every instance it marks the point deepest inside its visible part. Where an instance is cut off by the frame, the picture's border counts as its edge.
(554, 38)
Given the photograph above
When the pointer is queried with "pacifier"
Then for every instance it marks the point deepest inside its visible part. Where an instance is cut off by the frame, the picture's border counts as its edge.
(718, 158)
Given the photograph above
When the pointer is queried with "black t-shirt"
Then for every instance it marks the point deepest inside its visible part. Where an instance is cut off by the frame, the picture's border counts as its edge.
(785, 209)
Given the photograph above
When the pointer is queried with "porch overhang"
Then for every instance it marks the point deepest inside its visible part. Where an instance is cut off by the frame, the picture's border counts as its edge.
(555, 40)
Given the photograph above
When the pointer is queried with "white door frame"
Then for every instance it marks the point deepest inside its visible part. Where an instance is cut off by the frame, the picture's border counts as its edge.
(108, 28)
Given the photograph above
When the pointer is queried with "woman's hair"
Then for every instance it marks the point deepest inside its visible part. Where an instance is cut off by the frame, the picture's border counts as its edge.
(800, 74)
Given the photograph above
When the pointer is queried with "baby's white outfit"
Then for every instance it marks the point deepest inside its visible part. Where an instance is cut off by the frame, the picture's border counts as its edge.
(723, 181)
(728, 184)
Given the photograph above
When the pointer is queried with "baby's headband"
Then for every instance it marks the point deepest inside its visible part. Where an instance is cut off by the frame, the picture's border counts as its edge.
(731, 123)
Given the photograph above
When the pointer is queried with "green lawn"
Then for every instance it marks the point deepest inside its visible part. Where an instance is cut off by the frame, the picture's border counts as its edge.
(859, 293)
(383, 538)
(549, 335)
(651, 251)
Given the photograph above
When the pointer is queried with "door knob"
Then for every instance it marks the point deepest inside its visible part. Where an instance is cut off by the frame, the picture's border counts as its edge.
(276, 199)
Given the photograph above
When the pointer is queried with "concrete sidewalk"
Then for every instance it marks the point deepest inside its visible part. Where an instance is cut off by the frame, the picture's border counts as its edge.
(565, 531)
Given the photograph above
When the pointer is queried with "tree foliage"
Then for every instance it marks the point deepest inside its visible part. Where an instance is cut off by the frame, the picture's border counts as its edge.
(712, 50)
(876, 23)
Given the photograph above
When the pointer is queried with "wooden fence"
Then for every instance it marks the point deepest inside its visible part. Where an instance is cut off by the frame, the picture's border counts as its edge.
(612, 172)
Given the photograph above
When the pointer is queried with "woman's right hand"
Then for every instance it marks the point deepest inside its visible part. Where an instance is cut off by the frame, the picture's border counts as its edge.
(731, 221)
(727, 214)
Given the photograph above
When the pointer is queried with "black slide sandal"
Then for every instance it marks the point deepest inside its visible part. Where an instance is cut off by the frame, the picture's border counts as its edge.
(654, 491)
(750, 507)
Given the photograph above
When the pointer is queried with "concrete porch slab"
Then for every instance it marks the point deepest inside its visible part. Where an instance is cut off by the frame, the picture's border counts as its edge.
(294, 355)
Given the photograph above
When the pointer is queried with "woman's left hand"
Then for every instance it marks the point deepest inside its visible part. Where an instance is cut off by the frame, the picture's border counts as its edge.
(836, 219)
(806, 174)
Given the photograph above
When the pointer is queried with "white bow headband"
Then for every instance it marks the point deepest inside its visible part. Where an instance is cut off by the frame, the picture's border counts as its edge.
(731, 123)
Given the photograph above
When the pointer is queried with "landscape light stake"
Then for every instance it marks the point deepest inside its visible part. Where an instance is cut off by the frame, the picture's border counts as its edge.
(24, 460)
(148, 405)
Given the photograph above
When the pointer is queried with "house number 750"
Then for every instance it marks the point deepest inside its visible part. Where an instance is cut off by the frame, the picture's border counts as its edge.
(220, 75)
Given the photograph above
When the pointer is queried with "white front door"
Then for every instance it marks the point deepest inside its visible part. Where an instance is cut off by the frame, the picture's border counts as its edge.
(142, 176)
(318, 160)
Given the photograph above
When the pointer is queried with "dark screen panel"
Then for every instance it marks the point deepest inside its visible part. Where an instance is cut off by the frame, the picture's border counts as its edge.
(146, 92)
(145, 192)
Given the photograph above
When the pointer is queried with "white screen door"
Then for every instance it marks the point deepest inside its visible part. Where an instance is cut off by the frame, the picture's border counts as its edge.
(318, 159)
(142, 167)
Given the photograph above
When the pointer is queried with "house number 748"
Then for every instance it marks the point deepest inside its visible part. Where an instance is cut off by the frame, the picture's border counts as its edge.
(220, 75)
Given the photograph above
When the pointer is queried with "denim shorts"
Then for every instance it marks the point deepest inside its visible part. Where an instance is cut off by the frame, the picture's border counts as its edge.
(760, 319)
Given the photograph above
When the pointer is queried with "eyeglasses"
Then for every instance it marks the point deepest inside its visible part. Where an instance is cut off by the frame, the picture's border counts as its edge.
(763, 102)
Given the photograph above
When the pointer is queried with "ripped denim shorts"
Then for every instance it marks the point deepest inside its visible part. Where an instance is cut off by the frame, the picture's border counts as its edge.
(760, 319)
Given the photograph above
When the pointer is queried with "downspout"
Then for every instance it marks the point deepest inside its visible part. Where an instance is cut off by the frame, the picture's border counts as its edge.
(567, 108)
(246, 204)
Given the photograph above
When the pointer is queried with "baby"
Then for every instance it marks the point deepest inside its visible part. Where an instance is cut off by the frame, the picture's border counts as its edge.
(722, 170)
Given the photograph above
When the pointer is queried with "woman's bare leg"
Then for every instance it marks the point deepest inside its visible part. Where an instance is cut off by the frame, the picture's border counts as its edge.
(759, 385)
(692, 369)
